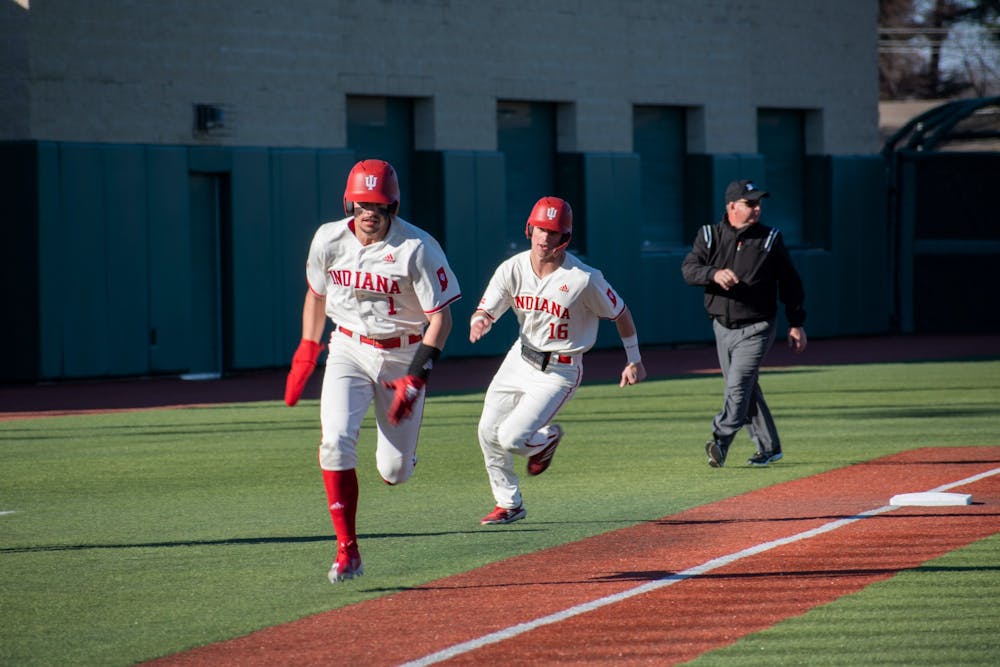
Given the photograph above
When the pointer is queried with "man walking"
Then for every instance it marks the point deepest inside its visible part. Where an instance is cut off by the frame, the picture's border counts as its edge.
(745, 268)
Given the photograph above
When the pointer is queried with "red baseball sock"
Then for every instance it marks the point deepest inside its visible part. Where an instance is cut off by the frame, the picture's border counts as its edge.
(342, 500)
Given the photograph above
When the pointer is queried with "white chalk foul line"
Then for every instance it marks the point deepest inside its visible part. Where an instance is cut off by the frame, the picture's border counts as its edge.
(669, 580)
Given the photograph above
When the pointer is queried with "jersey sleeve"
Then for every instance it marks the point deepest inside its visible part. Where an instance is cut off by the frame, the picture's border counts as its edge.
(601, 299)
(434, 282)
(316, 263)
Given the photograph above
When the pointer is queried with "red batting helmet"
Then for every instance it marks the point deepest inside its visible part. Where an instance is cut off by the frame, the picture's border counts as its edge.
(553, 214)
(372, 181)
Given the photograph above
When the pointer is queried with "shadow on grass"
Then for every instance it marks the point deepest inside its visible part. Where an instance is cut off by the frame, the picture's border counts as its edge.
(236, 541)
(308, 539)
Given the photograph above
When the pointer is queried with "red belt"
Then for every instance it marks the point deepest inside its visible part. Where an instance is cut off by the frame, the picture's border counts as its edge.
(562, 358)
(381, 343)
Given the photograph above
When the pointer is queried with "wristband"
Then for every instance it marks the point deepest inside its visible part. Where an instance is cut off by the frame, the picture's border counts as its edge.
(483, 318)
(631, 344)
(423, 361)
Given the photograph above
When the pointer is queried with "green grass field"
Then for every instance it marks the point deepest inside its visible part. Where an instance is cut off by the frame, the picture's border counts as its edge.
(135, 535)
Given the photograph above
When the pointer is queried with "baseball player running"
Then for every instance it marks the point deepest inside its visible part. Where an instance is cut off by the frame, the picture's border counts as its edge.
(388, 287)
(559, 302)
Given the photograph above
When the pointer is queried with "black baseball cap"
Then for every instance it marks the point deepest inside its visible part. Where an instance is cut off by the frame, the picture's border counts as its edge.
(738, 190)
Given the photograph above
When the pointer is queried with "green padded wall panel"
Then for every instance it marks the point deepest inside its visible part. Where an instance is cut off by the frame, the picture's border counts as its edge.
(127, 271)
(169, 259)
(79, 263)
(611, 180)
(475, 233)
(254, 285)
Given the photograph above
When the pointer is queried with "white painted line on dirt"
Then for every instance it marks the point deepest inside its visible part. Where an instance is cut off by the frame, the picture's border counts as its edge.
(967, 480)
(708, 566)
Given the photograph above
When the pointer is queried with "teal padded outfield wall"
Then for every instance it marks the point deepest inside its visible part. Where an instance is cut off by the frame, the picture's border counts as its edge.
(132, 260)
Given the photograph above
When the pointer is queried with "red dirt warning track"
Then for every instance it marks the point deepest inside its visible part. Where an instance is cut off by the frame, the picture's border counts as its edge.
(665, 624)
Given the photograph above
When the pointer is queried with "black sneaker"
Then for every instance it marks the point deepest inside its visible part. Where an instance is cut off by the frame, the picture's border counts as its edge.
(762, 459)
(716, 453)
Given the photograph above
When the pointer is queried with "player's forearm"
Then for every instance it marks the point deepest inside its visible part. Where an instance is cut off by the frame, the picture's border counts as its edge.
(313, 316)
(438, 328)
(629, 336)
(429, 350)
(625, 324)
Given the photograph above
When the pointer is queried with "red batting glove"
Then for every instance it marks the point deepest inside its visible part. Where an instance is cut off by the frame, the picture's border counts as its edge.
(303, 364)
(407, 389)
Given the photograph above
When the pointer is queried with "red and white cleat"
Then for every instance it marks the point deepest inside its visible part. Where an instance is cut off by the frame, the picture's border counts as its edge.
(504, 515)
(541, 461)
(347, 564)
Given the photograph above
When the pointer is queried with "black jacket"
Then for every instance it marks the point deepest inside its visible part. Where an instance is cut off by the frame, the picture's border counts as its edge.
(759, 258)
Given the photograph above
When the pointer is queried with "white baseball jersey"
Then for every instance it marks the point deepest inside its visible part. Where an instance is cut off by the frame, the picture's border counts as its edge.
(384, 289)
(558, 313)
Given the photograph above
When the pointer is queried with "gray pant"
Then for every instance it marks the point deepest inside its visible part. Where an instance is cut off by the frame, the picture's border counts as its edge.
(741, 352)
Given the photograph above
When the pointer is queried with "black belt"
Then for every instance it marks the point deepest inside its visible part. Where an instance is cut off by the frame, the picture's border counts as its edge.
(541, 360)
(738, 324)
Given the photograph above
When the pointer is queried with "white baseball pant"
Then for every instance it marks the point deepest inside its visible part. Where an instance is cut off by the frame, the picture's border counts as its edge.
(352, 380)
(520, 402)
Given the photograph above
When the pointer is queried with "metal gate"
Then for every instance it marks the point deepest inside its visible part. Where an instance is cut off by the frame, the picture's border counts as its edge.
(944, 224)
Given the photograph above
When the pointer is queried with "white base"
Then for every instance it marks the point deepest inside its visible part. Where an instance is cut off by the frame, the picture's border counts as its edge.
(931, 499)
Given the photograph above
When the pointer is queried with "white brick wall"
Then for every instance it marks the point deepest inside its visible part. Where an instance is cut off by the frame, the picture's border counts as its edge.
(130, 71)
